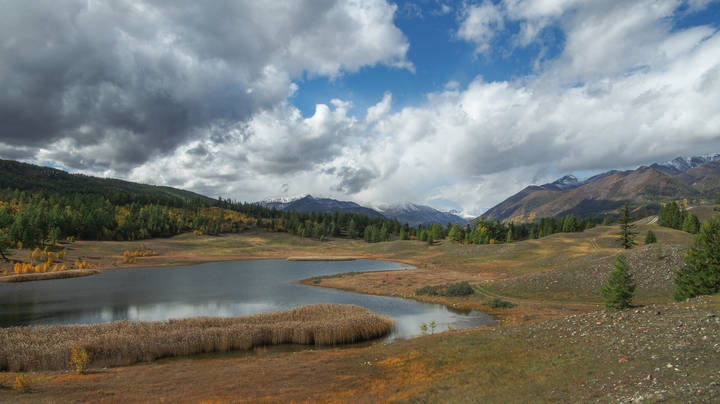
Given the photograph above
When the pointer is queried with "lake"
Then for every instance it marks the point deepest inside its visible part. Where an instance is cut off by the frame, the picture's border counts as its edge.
(218, 289)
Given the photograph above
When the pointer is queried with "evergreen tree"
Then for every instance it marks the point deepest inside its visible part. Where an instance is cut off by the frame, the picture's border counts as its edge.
(627, 229)
(691, 224)
(5, 244)
(701, 274)
(650, 237)
(620, 287)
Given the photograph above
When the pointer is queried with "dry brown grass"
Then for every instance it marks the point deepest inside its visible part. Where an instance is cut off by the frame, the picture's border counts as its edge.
(41, 276)
(124, 342)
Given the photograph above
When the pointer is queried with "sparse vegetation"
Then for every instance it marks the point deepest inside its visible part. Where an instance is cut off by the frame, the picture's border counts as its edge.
(123, 342)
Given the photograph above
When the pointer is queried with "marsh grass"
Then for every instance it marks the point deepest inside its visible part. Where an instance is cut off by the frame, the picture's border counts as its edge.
(124, 342)
(72, 273)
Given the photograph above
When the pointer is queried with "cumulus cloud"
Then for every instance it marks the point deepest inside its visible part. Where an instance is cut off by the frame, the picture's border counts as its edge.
(481, 24)
(101, 85)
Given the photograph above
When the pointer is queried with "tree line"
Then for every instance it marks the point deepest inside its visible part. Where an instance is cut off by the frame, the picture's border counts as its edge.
(673, 216)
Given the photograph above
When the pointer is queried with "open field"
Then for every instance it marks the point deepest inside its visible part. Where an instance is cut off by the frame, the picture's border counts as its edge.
(556, 345)
(125, 342)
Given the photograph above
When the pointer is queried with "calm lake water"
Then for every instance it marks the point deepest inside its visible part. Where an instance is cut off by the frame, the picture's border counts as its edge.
(218, 289)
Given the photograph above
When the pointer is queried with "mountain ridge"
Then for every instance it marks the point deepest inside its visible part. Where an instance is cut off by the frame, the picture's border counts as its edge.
(604, 193)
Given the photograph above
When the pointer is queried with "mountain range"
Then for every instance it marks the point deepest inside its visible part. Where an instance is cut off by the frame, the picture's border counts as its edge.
(409, 213)
(645, 187)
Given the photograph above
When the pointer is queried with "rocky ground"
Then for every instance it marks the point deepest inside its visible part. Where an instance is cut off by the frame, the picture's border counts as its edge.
(657, 353)
(652, 267)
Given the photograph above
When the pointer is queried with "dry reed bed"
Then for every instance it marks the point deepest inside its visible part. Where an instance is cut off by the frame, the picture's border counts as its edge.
(124, 342)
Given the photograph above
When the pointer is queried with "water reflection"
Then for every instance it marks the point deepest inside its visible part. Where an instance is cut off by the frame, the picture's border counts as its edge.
(220, 289)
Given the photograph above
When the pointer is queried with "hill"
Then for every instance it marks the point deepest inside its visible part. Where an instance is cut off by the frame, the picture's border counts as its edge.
(32, 178)
(646, 187)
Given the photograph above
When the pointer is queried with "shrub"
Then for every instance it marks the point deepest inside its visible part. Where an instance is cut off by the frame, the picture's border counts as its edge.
(22, 383)
(459, 289)
(429, 291)
(498, 303)
(701, 274)
(452, 290)
(650, 237)
(79, 359)
(620, 288)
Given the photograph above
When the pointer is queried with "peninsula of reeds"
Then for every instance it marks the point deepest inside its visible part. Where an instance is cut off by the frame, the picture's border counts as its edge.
(125, 342)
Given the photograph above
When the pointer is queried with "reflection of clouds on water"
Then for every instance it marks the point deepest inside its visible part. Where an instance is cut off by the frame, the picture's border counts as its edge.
(165, 311)
(221, 289)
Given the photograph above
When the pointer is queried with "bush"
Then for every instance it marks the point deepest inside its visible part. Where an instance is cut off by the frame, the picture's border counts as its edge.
(459, 289)
(498, 303)
(650, 237)
(429, 291)
(701, 274)
(22, 383)
(79, 359)
(454, 290)
(620, 288)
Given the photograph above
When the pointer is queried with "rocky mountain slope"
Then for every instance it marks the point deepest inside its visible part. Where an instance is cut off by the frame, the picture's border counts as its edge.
(603, 194)
(309, 204)
(414, 214)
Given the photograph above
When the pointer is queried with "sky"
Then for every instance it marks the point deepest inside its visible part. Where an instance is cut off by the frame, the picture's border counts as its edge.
(452, 104)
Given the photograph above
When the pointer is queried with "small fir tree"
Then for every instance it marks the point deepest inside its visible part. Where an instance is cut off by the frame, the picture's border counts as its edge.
(620, 287)
(701, 274)
(627, 229)
(650, 237)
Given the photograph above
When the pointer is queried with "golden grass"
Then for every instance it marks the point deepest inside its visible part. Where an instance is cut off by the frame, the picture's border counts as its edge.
(40, 276)
(124, 342)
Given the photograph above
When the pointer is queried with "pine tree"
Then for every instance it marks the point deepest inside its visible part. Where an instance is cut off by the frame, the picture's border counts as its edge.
(701, 274)
(620, 287)
(650, 237)
(691, 224)
(627, 229)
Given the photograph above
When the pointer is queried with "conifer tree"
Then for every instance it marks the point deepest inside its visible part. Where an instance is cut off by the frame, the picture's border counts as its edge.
(691, 224)
(701, 274)
(627, 229)
(620, 287)
(650, 237)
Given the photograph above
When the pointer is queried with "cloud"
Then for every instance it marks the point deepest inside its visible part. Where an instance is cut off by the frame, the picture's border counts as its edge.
(480, 25)
(114, 84)
(379, 110)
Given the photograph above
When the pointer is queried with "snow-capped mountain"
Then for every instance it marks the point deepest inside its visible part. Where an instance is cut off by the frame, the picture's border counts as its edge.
(681, 164)
(414, 214)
